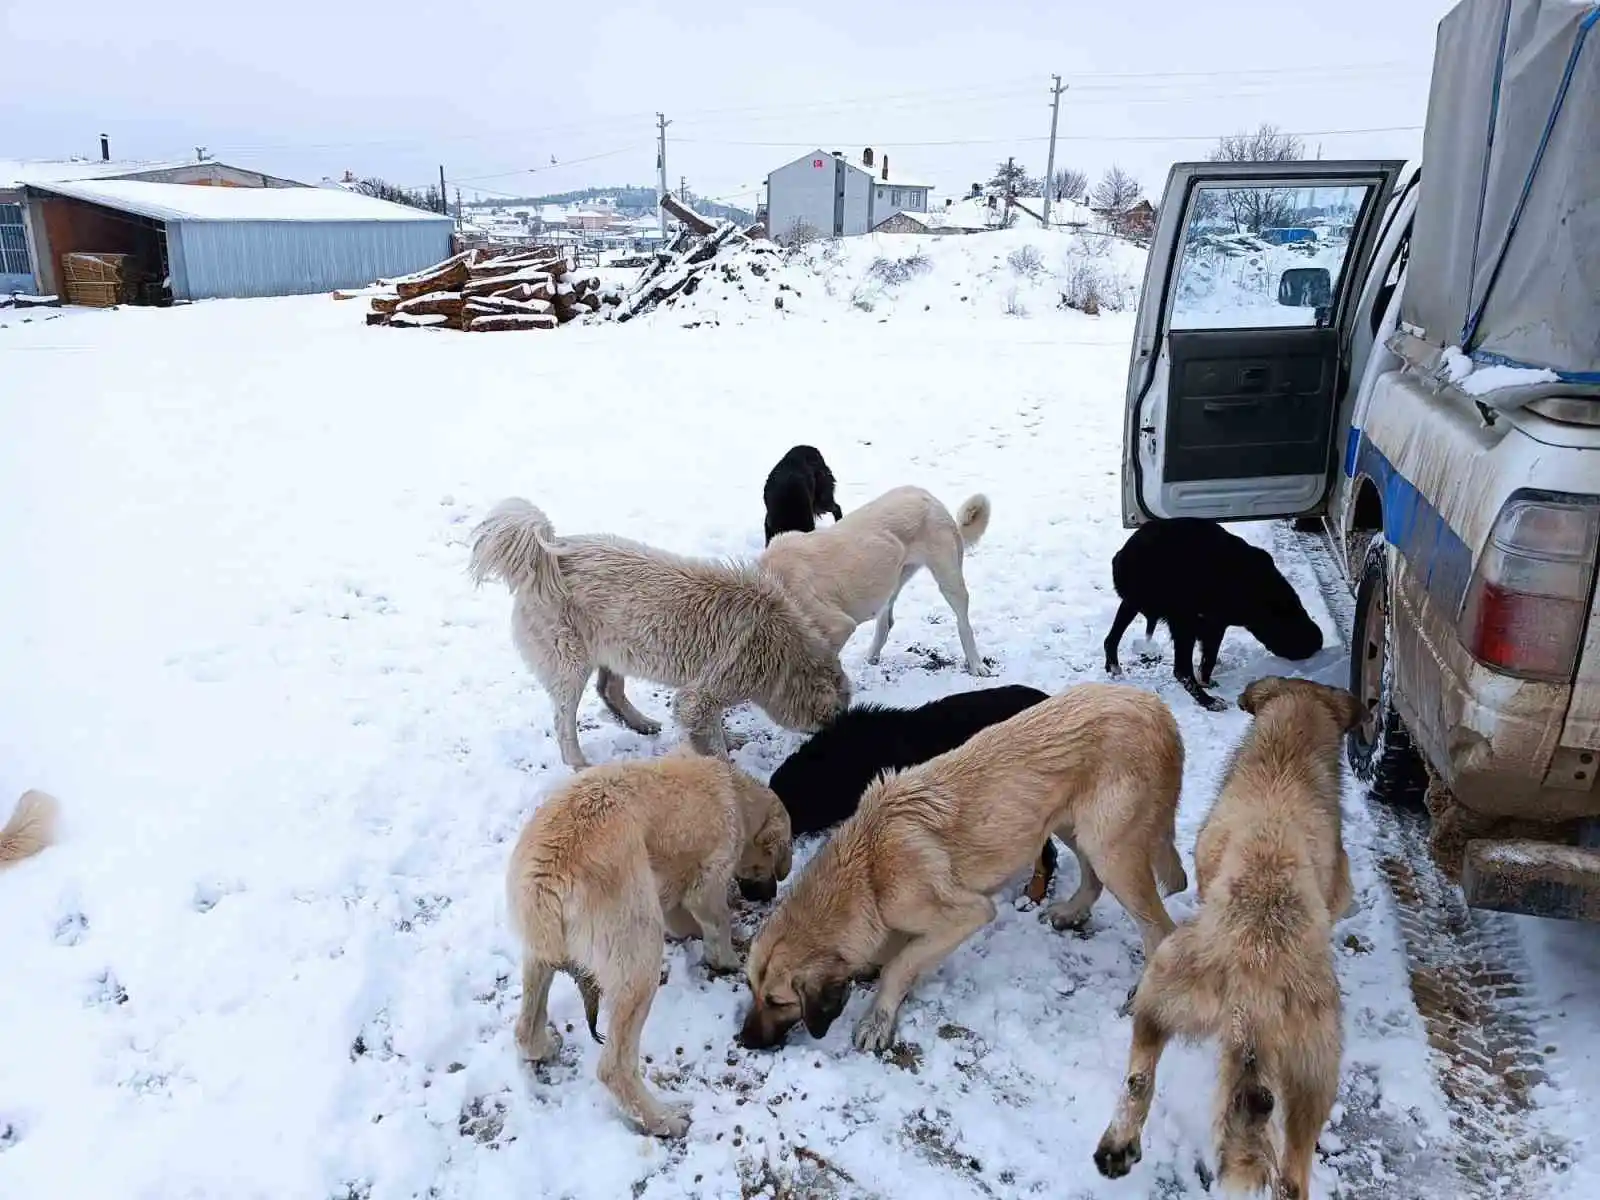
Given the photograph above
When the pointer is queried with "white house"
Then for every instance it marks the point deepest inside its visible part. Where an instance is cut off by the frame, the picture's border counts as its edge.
(824, 194)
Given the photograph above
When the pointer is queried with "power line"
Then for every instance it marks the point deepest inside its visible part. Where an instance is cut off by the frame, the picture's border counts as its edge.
(1111, 138)
(554, 166)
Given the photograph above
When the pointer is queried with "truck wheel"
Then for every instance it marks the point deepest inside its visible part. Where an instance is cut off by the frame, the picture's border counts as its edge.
(1380, 749)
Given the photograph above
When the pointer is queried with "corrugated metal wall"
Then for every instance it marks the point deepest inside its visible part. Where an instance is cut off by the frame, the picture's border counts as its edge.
(216, 259)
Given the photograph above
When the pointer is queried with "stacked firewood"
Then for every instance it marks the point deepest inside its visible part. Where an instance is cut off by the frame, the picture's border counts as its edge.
(486, 291)
(683, 262)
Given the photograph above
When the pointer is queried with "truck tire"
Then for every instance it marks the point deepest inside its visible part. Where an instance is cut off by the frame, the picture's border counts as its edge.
(1380, 751)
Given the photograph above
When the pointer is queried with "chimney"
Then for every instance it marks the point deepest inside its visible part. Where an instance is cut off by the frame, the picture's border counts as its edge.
(105, 148)
(866, 157)
(886, 168)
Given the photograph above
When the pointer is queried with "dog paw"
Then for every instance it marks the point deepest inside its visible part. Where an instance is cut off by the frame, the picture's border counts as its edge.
(1064, 915)
(874, 1032)
(673, 1122)
(538, 1046)
(1125, 1009)
(1114, 1161)
(1113, 670)
(980, 670)
(1214, 704)
(719, 965)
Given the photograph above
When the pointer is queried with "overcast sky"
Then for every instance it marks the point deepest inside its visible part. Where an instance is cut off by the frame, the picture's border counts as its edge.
(946, 88)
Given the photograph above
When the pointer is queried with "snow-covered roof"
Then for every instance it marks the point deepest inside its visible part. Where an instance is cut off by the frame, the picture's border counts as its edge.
(16, 172)
(193, 202)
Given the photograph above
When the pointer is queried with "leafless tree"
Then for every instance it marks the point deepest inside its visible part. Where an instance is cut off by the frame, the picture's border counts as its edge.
(1069, 183)
(1115, 197)
(1254, 208)
(382, 189)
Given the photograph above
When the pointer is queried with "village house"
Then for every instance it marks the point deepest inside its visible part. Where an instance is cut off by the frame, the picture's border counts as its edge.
(824, 194)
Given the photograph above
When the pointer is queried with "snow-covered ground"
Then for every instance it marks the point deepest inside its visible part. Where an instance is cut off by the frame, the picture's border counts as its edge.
(269, 957)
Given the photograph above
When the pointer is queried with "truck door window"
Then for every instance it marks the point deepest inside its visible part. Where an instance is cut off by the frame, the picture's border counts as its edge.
(1259, 257)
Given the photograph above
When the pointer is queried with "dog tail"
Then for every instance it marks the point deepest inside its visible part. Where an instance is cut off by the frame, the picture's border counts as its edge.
(589, 989)
(972, 518)
(512, 544)
(1247, 1159)
(31, 828)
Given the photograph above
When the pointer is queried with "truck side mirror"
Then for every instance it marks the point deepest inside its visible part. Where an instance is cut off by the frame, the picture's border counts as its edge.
(1306, 287)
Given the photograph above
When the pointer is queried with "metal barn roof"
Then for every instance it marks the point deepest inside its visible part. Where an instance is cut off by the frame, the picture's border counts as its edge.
(192, 202)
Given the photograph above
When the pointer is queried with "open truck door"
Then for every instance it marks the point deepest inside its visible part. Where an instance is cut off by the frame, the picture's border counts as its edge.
(1241, 350)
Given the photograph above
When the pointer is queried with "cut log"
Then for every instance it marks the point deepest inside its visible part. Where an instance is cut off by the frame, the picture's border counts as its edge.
(524, 292)
(591, 301)
(466, 256)
(385, 304)
(536, 277)
(377, 318)
(451, 276)
(511, 266)
(489, 305)
(419, 320)
(499, 322)
(691, 219)
(446, 304)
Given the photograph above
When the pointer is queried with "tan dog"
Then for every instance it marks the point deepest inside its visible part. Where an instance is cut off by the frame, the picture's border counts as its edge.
(1254, 968)
(720, 634)
(851, 571)
(608, 864)
(30, 829)
(909, 877)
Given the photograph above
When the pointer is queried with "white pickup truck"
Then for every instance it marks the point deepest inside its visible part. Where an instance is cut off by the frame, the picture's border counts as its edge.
(1412, 356)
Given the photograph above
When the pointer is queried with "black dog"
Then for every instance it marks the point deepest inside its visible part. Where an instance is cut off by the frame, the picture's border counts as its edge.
(798, 491)
(821, 782)
(1200, 579)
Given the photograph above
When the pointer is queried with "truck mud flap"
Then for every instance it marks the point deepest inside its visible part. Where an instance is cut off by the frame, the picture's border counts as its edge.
(1534, 878)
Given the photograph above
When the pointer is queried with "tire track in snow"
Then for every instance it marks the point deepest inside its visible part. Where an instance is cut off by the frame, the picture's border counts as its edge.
(1469, 980)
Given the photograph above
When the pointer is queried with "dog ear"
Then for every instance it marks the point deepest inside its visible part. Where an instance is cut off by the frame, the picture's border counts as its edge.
(1260, 692)
(1347, 710)
(822, 1000)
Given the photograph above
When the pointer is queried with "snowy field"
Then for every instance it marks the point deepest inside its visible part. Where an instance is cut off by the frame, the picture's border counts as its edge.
(269, 957)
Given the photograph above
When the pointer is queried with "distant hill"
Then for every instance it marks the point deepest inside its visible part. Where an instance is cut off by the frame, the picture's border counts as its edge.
(629, 198)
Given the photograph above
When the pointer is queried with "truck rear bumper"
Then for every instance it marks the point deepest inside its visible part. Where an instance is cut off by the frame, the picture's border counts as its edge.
(1539, 879)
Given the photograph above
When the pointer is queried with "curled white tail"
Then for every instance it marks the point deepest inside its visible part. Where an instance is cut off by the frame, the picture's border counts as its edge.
(31, 828)
(512, 544)
(972, 518)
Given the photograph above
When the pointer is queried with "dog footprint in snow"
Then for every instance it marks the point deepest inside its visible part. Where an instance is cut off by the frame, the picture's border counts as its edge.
(106, 992)
(208, 895)
(71, 929)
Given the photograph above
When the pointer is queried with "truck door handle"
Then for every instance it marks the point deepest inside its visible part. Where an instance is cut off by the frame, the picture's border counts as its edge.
(1220, 407)
(1251, 378)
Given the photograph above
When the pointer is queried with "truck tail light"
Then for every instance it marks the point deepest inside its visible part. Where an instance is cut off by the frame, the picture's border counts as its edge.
(1528, 603)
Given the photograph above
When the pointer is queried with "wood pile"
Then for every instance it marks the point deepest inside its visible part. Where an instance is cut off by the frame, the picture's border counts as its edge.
(680, 265)
(100, 280)
(488, 291)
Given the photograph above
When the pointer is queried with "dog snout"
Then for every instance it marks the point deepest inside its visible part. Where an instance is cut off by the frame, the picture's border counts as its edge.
(758, 890)
(761, 1030)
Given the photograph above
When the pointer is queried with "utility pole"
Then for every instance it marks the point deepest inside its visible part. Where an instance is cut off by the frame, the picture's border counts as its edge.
(444, 202)
(683, 188)
(661, 170)
(458, 208)
(1050, 163)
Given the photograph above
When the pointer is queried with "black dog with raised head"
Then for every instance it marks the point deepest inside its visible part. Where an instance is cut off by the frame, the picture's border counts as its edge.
(1200, 579)
(798, 491)
(821, 782)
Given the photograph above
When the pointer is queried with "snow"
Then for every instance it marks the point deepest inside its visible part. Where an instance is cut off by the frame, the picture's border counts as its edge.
(1492, 378)
(182, 201)
(17, 172)
(293, 747)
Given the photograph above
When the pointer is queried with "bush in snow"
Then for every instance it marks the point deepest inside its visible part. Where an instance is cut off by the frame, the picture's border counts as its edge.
(1085, 289)
(1014, 306)
(894, 271)
(1026, 261)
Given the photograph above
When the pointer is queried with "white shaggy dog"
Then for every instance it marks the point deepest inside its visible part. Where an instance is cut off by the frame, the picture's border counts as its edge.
(31, 828)
(850, 571)
(721, 634)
